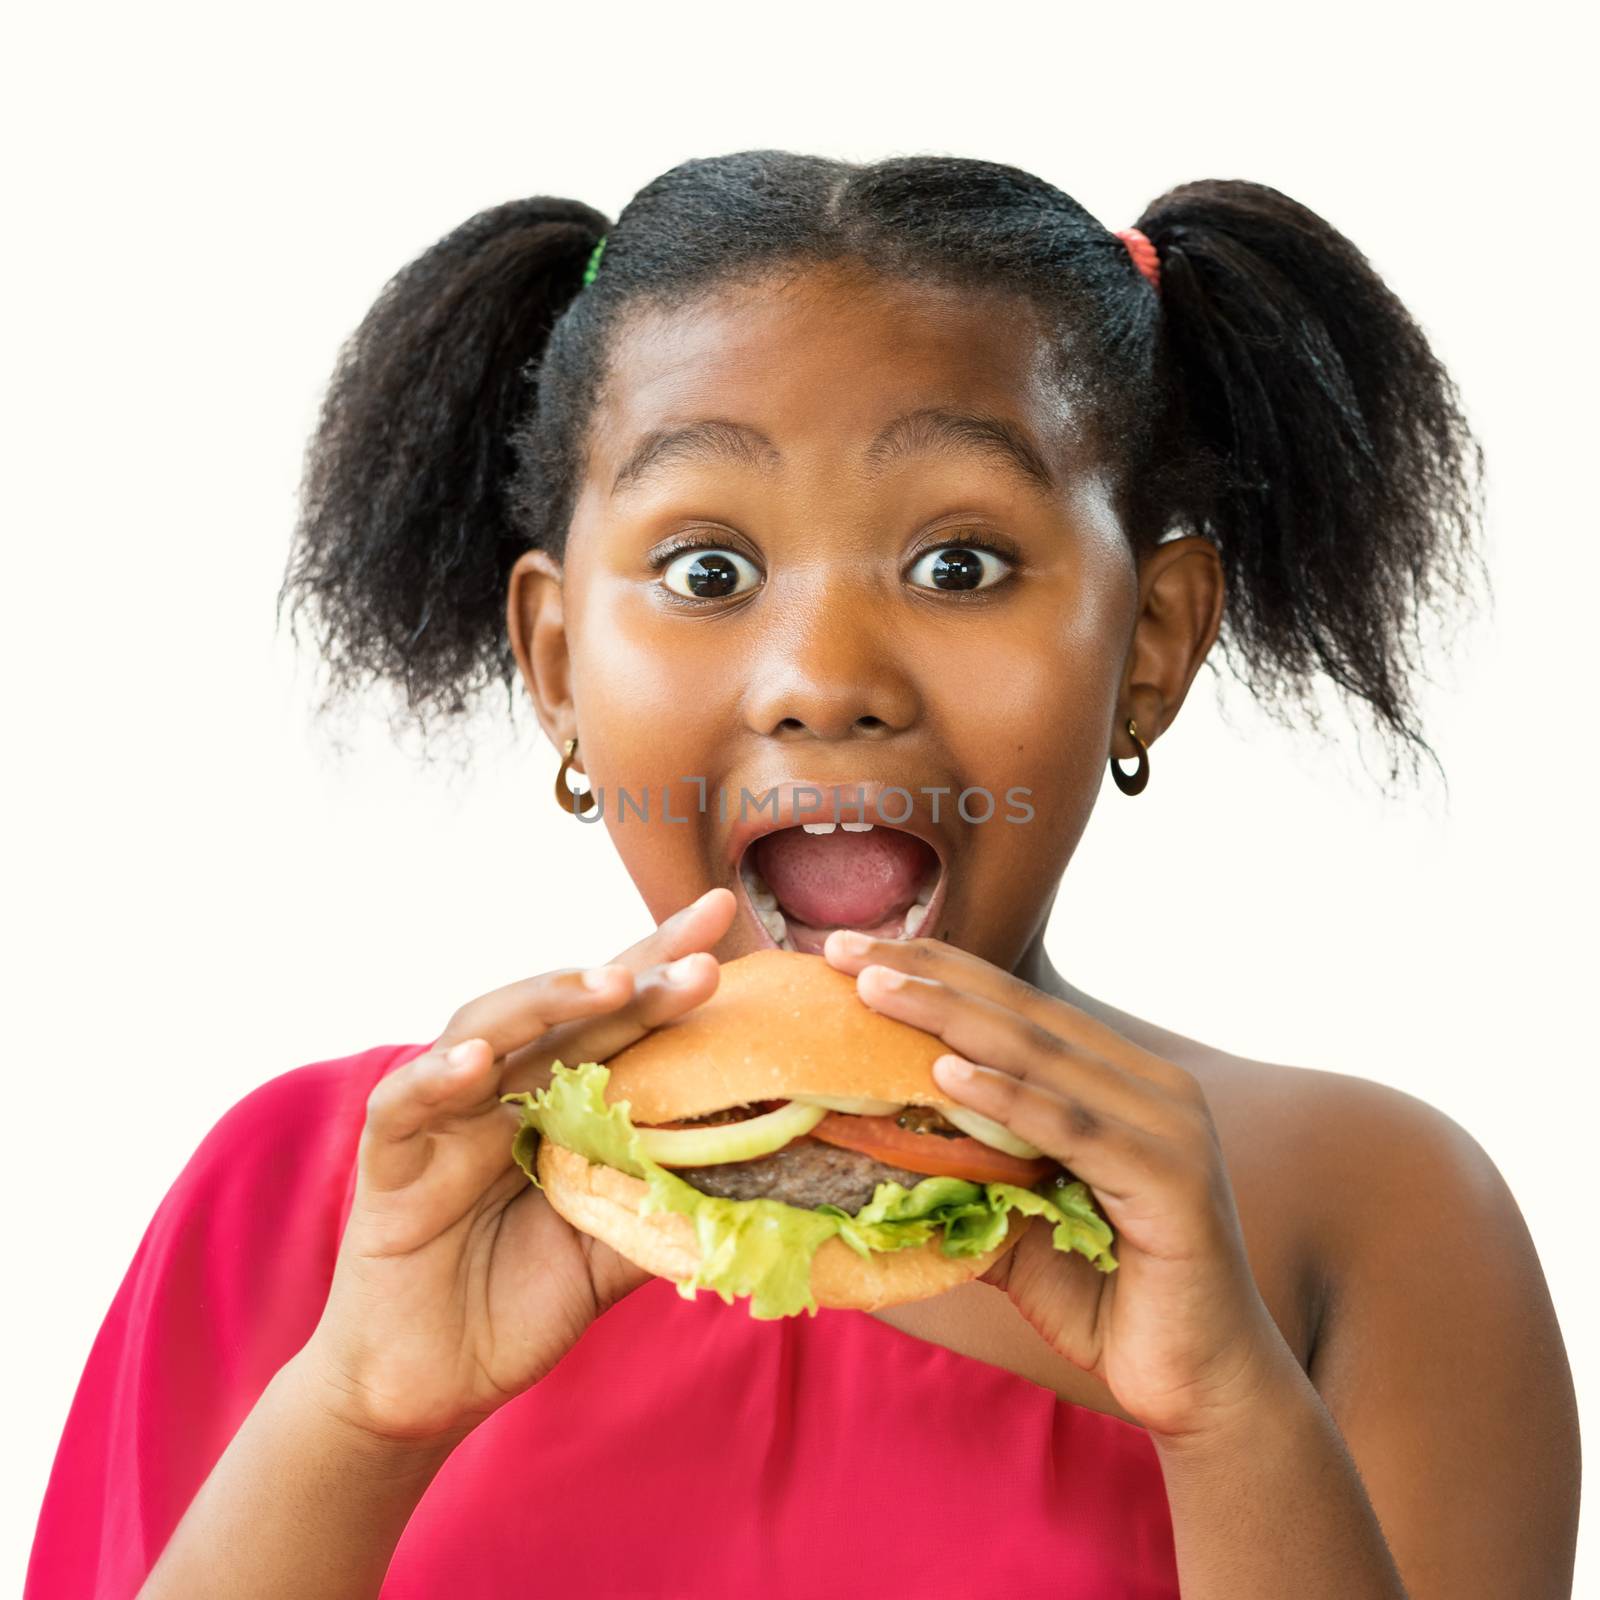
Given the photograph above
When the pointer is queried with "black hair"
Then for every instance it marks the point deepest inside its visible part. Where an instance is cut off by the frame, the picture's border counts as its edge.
(1274, 396)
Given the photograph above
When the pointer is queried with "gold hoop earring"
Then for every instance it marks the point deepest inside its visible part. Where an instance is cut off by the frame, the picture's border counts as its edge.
(1132, 783)
(573, 801)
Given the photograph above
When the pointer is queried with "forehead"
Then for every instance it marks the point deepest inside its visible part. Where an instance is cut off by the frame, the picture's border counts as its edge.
(820, 358)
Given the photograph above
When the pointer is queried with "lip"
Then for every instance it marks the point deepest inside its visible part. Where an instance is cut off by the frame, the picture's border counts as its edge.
(841, 801)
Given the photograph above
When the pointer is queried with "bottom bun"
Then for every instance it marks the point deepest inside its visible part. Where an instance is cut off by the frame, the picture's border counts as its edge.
(604, 1202)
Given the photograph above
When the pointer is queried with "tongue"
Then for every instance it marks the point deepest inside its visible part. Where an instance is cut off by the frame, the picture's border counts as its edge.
(839, 879)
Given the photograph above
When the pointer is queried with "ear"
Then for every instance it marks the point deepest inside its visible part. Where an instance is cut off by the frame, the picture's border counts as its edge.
(536, 625)
(1181, 594)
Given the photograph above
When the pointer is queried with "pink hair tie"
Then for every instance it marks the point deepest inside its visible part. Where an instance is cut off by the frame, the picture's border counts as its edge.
(1144, 255)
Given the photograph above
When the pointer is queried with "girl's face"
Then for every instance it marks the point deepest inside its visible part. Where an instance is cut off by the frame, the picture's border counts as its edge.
(840, 530)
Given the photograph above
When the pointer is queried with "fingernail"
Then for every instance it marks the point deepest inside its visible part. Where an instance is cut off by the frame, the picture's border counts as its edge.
(598, 977)
(457, 1056)
(680, 971)
(850, 942)
(889, 977)
(953, 1072)
(678, 916)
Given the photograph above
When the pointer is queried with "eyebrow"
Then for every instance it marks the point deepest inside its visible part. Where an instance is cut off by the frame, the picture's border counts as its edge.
(930, 430)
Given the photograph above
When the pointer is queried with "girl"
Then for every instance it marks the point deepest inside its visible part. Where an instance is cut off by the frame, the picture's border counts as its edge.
(908, 474)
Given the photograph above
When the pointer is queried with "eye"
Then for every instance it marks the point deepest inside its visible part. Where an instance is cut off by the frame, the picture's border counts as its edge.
(707, 574)
(955, 568)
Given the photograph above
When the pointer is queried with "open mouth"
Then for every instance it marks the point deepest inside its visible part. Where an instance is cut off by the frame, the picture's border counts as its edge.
(803, 882)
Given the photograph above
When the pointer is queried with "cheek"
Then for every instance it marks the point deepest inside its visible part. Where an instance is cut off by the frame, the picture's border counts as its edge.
(648, 693)
(1026, 711)
(649, 720)
(1032, 698)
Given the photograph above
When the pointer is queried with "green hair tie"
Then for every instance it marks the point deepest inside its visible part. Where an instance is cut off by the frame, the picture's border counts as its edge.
(594, 262)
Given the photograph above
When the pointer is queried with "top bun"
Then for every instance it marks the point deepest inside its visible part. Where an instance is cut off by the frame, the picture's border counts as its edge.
(780, 1023)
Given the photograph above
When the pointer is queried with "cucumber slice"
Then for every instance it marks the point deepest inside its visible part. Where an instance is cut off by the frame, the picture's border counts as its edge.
(730, 1141)
(987, 1131)
(858, 1107)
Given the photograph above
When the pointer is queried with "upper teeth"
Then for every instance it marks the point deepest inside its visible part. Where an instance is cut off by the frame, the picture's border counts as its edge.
(828, 827)
(856, 827)
(817, 827)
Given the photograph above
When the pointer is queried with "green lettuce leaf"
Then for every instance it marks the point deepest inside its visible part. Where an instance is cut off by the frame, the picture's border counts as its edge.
(762, 1249)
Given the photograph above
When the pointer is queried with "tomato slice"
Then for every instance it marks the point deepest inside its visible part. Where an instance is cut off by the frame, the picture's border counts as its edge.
(885, 1140)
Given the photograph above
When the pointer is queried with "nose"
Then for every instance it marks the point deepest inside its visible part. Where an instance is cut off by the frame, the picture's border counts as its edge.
(829, 671)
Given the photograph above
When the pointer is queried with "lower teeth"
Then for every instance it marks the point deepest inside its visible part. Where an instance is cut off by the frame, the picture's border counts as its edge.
(765, 903)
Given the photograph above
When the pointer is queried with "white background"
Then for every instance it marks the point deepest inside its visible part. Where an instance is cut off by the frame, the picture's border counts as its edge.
(200, 896)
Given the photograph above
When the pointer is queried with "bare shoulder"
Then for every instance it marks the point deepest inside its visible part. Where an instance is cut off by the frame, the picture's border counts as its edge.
(1431, 1334)
(1321, 1142)
(1285, 1124)
(1336, 1174)
(1351, 1157)
(1338, 1177)
(1319, 1114)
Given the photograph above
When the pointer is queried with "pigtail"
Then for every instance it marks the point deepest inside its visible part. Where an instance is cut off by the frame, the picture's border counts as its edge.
(403, 544)
(1341, 482)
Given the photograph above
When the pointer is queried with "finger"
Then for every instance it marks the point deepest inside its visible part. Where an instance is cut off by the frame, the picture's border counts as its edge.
(697, 926)
(425, 1093)
(679, 947)
(661, 993)
(513, 1016)
(509, 1017)
(1115, 1158)
(985, 1031)
(850, 952)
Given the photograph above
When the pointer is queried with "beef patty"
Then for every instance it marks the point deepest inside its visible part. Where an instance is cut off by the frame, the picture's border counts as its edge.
(804, 1173)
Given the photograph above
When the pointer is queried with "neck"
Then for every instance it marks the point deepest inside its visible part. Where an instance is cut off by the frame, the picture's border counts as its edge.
(1037, 969)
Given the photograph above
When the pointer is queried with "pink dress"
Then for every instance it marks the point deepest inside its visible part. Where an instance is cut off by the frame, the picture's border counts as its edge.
(829, 1455)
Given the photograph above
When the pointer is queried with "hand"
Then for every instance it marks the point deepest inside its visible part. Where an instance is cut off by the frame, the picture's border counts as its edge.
(1179, 1332)
(457, 1285)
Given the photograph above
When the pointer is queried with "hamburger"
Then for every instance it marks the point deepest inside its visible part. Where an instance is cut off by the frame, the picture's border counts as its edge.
(785, 1143)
